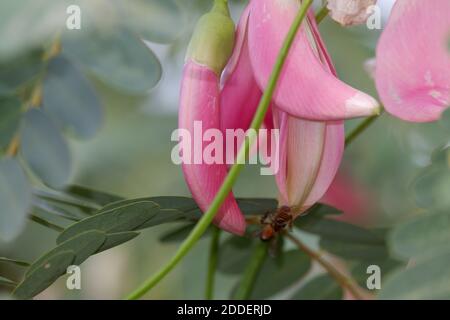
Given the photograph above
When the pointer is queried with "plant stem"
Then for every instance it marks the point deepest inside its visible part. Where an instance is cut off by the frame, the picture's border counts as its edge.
(342, 279)
(212, 263)
(361, 128)
(230, 179)
(321, 14)
(45, 223)
(251, 272)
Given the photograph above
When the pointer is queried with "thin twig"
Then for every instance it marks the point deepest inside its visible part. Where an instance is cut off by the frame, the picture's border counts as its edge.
(360, 128)
(342, 279)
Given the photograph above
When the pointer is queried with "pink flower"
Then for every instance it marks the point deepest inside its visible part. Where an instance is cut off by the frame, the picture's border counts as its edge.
(200, 101)
(413, 60)
(309, 101)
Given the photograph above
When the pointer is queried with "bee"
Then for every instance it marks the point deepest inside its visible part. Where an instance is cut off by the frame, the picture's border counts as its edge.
(274, 222)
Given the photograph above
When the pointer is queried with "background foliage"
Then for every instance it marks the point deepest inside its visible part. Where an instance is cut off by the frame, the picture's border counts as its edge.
(96, 108)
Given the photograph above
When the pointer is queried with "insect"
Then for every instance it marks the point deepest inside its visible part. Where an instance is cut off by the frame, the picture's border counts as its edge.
(274, 222)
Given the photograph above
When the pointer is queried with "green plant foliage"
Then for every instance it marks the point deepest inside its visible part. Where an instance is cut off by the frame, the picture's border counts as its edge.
(45, 274)
(120, 219)
(421, 235)
(19, 263)
(9, 120)
(347, 240)
(7, 282)
(40, 137)
(426, 279)
(15, 198)
(322, 287)
(70, 99)
(83, 246)
(278, 274)
(20, 70)
(131, 67)
(234, 254)
(98, 197)
(159, 21)
(178, 234)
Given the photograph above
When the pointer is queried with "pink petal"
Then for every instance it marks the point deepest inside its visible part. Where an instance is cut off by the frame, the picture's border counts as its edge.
(311, 153)
(199, 101)
(240, 94)
(307, 88)
(413, 61)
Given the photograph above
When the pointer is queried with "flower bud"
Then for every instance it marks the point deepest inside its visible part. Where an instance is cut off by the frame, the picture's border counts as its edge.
(213, 39)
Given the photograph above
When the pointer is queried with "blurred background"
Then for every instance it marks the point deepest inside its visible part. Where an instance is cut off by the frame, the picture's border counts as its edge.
(128, 152)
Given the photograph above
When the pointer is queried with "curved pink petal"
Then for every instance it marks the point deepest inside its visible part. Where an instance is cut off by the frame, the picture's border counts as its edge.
(413, 61)
(310, 155)
(240, 94)
(199, 103)
(306, 89)
(331, 159)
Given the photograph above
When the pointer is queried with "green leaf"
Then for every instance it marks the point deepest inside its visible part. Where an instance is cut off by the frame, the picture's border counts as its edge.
(15, 198)
(116, 239)
(43, 276)
(18, 71)
(9, 120)
(49, 208)
(99, 197)
(171, 209)
(83, 245)
(315, 214)
(70, 99)
(85, 206)
(234, 255)
(257, 206)
(428, 279)
(117, 57)
(44, 149)
(421, 235)
(19, 263)
(279, 274)
(156, 20)
(124, 218)
(26, 24)
(177, 234)
(322, 287)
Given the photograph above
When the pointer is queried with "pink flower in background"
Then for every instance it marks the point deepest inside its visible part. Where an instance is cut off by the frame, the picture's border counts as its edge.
(200, 102)
(413, 60)
(351, 197)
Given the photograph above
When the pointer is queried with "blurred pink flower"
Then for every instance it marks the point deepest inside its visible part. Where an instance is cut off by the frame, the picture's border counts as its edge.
(413, 60)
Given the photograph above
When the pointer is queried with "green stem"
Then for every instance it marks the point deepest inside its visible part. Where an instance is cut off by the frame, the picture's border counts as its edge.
(251, 272)
(341, 278)
(230, 179)
(361, 128)
(212, 263)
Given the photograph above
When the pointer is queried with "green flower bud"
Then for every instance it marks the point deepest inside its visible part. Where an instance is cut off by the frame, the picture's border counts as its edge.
(213, 39)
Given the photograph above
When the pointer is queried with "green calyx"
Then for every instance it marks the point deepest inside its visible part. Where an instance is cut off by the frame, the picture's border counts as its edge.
(213, 39)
